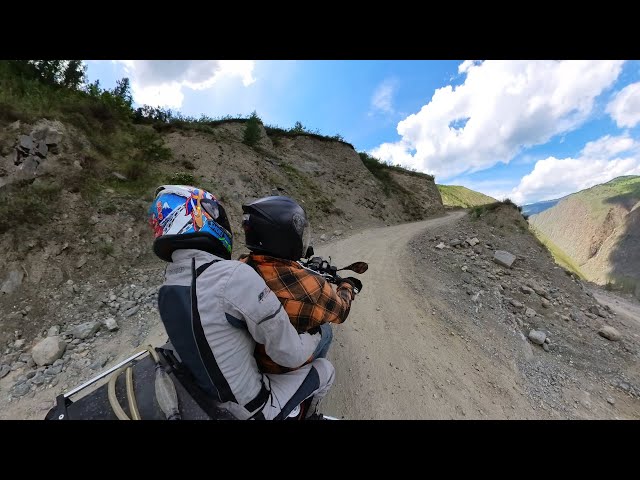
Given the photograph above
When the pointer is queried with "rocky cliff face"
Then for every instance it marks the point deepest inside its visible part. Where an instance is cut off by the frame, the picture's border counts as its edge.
(72, 216)
(426, 197)
(326, 177)
(599, 229)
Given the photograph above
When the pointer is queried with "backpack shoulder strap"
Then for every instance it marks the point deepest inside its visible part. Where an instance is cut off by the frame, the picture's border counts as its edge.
(204, 266)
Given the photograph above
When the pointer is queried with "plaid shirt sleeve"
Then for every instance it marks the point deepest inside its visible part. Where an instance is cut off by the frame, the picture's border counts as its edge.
(336, 303)
(310, 301)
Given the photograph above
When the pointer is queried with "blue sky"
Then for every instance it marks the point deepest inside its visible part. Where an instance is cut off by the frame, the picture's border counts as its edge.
(528, 130)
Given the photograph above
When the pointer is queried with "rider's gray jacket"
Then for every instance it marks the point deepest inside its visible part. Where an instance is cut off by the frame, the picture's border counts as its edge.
(235, 309)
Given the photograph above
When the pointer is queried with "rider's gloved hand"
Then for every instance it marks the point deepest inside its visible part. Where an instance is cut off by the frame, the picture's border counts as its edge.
(354, 282)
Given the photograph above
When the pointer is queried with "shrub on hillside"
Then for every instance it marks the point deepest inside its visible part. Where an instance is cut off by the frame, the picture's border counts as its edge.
(182, 178)
(252, 130)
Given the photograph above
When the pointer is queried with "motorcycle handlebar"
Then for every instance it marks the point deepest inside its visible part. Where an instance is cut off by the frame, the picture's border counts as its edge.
(324, 268)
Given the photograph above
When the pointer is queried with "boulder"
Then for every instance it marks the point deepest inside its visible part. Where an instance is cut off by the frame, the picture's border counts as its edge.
(504, 258)
(610, 333)
(48, 350)
(537, 336)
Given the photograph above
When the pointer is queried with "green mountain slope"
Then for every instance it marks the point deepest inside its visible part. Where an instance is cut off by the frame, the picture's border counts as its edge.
(458, 196)
(598, 229)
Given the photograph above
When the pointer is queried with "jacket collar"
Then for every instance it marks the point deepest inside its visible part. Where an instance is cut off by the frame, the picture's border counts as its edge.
(267, 260)
(189, 253)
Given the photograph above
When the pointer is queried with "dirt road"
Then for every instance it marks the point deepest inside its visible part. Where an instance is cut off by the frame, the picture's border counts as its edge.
(395, 358)
(414, 348)
(628, 310)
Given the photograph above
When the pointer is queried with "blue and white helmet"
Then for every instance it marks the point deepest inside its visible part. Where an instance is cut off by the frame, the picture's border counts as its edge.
(183, 216)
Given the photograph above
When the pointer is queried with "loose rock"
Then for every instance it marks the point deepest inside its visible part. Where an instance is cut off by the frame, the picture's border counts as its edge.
(12, 282)
(128, 304)
(85, 330)
(53, 370)
(516, 303)
(111, 324)
(504, 258)
(131, 311)
(538, 337)
(53, 331)
(24, 357)
(21, 390)
(610, 333)
(48, 350)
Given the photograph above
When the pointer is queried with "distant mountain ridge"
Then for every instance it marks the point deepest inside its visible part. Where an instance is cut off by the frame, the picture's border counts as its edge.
(598, 229)
(539, 207)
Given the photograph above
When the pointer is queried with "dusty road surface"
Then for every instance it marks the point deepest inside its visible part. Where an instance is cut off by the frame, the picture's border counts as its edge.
(624, 306)
(414, 345)
(394, 358)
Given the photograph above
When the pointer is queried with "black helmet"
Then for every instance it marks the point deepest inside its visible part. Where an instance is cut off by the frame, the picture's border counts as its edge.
(276, 226)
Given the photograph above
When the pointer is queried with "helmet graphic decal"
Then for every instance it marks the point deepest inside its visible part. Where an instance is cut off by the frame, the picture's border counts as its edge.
(180, 209)
(159, 210)
(193, 208)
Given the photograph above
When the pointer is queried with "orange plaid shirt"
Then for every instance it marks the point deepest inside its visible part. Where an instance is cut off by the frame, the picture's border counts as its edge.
(307, 298)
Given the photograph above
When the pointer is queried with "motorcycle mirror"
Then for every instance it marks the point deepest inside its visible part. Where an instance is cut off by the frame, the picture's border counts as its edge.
(310, 252)
(358, 267)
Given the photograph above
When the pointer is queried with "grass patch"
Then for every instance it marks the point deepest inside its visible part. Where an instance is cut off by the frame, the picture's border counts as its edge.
(181, 178)
(382, 172)
(105, 249)
(560, 257)
(299, 180)
(134, 188)
(458, 196)
(623, 284)
(480, 210)
(299, 130)
(328, 206)
(188, 164)
(599, 199)
(109, 208)
(115, 144)
(25, 204)
(310, 191)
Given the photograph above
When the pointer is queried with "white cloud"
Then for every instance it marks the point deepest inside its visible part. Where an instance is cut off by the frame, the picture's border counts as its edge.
(598, 163)
(382, 99)
(625, 106)
(161, 82)
(395, 153)
(500, 109)
(608, 146)
(466, 65)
